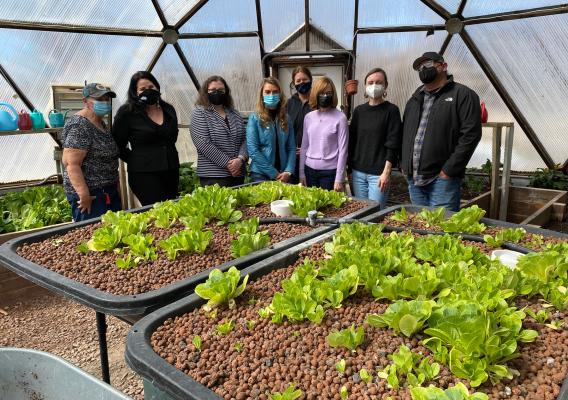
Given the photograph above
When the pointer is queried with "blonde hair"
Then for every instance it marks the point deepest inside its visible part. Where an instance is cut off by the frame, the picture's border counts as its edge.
(264, 113)
(319, 87)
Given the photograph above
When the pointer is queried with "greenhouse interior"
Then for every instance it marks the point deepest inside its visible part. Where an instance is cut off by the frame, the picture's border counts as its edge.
(293, 199)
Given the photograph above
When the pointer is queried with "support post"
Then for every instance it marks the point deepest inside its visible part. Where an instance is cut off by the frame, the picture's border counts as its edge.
(496, 160)
(509, 135)
(103, 349)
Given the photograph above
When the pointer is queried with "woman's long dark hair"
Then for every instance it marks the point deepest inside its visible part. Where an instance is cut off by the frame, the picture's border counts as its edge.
(133, 104)
(203, 96)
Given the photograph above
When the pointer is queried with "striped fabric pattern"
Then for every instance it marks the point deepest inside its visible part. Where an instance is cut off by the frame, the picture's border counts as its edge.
(217, 143)
(419, 180)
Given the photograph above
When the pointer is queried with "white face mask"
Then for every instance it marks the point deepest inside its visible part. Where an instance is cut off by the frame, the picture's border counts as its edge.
(375, 91)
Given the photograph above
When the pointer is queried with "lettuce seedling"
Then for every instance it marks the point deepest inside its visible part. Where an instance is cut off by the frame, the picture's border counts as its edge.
(238, 347)
(197, 342)
(349, 338)
(465, 221)
(250, 324)
(248, 239)
(126, 262)
(406, 317)
(343, 393)
(365, 376)
(400, 215)
(505, 235)
(340, 366)
(188, 241)
(291, 393)
(457, 392)
(140, 245)
(432, 218)
(225, 328)
(221, 288)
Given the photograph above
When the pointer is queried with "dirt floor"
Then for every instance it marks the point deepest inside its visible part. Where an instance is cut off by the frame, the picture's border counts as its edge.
(51, 323)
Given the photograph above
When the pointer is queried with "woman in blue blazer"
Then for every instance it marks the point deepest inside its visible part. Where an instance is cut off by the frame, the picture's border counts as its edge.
(271, 142)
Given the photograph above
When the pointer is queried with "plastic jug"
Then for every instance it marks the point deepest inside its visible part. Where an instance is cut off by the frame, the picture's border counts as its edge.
(57, 119)
(8, 121)
(24, 121)
(37, 119)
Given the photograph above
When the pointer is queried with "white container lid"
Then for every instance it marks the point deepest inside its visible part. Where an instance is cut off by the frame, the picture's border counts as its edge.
(282, 208)
(507, 257)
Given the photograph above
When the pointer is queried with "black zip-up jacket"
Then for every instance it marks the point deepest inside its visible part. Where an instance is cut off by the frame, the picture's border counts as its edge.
(452, 133)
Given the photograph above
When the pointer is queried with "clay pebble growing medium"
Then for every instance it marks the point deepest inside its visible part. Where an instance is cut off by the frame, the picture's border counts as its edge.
(275, 355)
(98, 269)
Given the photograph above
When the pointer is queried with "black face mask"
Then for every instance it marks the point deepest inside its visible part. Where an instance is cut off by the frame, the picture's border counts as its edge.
(304, 87)
(217, 97)
(149, 97)
(324, 100)
(428, 75)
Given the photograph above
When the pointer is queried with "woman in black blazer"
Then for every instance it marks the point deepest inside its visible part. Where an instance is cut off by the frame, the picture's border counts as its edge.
(146, 130)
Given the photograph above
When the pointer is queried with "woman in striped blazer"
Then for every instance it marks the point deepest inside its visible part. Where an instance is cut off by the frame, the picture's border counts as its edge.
(218, 133)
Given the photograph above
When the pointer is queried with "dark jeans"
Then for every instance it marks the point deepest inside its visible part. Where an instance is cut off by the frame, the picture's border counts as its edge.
(228, 181)
(323, 178)
(439, 193)
(152, 187)
(107, 199)
(256, 177)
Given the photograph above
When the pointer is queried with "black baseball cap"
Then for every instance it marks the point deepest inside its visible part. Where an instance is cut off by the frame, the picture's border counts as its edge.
(429, 55)
(97, 90)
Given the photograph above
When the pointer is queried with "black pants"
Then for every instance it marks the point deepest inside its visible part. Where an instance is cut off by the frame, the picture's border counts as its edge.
(228, 181)
(151, 187)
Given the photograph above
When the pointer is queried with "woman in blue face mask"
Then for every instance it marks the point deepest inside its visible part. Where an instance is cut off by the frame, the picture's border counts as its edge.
(270, 136)
(298, 107)
(146, 131)
(90, 157)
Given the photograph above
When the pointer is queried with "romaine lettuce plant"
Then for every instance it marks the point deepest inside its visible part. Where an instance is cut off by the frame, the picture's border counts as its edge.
(221, 288)
(350, 338)
(406, 317)
(187, 241)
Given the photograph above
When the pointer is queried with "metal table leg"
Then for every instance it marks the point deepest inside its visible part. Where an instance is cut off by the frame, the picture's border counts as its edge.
(103, 350)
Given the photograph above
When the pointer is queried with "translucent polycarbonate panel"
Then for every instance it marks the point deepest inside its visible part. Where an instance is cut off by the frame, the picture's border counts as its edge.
(450, 5)
(223, 16)
(320, 41)
(280, 18)
(335, 18)
(483, 7)
(174, 10)
(134, 14)
(235, 59)
(381, 13)
(394, 52)
(529, 57)
(37, 60)
(177, 89)
(298, 43)
(26, 157)
(467, 71)
(9, 95)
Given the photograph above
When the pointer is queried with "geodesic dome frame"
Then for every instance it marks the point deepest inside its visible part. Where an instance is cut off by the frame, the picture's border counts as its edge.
(512, 52)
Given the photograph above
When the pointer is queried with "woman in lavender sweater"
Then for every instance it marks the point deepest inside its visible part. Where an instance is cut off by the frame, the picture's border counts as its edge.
(323, 154)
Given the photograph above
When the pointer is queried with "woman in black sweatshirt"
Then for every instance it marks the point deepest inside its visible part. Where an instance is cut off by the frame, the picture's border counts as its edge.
(374, 140)
(146, 130)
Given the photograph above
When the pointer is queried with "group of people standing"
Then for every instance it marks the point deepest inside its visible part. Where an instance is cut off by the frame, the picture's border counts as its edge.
(302, 139)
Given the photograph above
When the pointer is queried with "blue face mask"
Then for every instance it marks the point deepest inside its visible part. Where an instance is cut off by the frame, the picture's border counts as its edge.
(271, 101)
(102, 108)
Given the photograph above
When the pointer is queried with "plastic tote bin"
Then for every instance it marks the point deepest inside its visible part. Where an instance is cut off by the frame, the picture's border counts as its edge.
(31, 374)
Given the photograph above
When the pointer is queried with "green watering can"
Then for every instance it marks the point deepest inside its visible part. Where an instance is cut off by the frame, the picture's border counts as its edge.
(8, 122)
(37, 119)
(57, 119)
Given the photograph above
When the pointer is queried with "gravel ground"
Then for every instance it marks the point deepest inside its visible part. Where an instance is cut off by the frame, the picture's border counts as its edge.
(59, 326)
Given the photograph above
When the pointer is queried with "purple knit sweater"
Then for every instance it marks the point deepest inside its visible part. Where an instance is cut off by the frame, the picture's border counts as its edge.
(324, 143)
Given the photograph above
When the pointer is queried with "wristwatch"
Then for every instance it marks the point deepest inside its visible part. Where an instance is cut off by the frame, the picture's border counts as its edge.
(242, 158)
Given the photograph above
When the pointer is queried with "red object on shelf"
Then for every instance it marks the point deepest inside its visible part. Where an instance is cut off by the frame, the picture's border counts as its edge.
(484, 114)
(24, 121)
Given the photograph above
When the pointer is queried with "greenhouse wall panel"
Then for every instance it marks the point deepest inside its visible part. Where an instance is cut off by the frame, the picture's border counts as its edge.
(237, 16)
(174, 10)
(381, 13)
(26, 157)
(483, 7)
(335, 18)
(537, 81)
(279, 19)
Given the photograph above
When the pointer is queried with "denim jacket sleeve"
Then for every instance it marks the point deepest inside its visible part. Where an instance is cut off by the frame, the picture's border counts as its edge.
(253, 146)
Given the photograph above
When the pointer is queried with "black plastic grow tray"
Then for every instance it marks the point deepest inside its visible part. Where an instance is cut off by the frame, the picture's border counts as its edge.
(133, 307)
(380, 216)
(172, 383)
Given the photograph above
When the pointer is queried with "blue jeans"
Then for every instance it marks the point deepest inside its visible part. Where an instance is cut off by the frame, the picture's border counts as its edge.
(439, 193)
(107, 198)
(366, 186)
(323, 178)
(256, 177)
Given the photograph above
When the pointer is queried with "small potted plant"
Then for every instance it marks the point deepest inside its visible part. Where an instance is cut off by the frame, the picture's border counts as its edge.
(351, 87)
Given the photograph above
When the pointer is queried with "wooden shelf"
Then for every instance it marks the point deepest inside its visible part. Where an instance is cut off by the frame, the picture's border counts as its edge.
(31, 131)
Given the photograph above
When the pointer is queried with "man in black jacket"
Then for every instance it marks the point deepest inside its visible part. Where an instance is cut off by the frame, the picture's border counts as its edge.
(441, 129)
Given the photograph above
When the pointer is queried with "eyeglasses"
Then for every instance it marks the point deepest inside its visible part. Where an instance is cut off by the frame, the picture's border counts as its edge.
(327, 93)
(426, 64)
(216, 91)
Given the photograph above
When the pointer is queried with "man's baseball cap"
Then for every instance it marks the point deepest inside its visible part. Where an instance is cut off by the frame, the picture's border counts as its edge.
(429, 55)
(97, 90)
